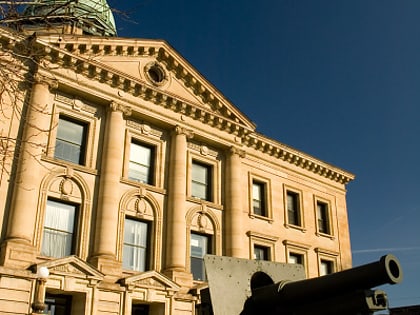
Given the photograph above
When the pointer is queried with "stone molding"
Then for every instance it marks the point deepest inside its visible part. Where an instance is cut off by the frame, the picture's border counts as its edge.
(222, 116)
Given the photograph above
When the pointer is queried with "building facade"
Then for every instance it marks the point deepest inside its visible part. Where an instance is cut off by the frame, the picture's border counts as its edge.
(122, 167)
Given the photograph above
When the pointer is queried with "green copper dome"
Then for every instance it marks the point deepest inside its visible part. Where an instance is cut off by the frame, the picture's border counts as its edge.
(93, 16)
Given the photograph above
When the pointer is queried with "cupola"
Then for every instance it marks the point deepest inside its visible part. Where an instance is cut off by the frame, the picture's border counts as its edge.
(90, 17)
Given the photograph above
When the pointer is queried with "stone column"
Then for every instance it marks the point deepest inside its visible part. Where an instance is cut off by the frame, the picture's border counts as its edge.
(105, 242)
(176, 226)
(19, 243)
(235, 193)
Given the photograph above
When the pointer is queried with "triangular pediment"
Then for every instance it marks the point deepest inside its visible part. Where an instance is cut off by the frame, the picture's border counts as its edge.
(150, 280)
(151, 69)
(70, 266)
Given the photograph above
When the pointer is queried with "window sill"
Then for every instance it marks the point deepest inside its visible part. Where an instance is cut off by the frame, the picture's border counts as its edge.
(139, 184)
(66, 164)
(332, 237)
(261, 217)
(205, 202)
(295, 227)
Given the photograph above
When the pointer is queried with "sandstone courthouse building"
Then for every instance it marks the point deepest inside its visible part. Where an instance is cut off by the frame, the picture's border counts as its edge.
(122, 166)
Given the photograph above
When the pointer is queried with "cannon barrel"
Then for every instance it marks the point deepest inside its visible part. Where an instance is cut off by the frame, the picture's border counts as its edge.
(267, 295)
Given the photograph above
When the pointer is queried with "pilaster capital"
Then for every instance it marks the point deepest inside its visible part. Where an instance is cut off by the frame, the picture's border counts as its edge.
(237, 151)
(178, 130)
(117, 107)
(42, 79)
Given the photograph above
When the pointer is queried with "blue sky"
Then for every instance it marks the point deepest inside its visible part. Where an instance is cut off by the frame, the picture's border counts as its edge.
(340, 81)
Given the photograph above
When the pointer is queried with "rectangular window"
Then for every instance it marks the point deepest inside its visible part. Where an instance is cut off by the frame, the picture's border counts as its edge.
(140, 167)
(70, 142)
(259, 198)
(200, 246)
(326, 267)
(295, 258)
(136, 242)
(201, 181)
(59, 229)
(58, 304)
(323, 217)
(293, 208)
(261, 252)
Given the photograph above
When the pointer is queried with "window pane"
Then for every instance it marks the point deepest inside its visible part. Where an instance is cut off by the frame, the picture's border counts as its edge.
(69, 145)
(70, 131)
(58, 304)
(140, 165)
(199, 173)
(323, 219)
(135, 245)
(261, 253)
(200, 186)
(199, 248)
(58, 229)
(293, 211)
(258, 198)
(295, 259)
(326, 267)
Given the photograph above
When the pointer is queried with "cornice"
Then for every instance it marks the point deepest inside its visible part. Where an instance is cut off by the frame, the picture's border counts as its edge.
(297, 158)
(79, 53)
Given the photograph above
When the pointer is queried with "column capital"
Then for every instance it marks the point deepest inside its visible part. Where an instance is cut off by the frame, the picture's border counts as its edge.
(42, 79)
(237, 151)
(117, 107)
(178, 130)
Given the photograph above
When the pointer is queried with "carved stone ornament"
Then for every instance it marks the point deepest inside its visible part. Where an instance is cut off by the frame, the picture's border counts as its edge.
(66, 186)
(40, 79)
(140, 206)
(126, 110)
(184, 131)
(67, 268)
(235, 150)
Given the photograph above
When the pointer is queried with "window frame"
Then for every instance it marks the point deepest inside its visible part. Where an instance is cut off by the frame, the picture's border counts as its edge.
(83, 146)
(298, 249)
(201, 154)
(149, 137)
(148, 249)
(209, 250)
(151, 178)
(265, 184)
(327, 256)
(91, 117)
(76, 227)
(262, 240)
(328, 220)
(209, 185)
(300, 211)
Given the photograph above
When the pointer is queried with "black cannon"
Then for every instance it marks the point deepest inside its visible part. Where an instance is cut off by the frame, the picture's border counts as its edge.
(345, 292)
(348, 292)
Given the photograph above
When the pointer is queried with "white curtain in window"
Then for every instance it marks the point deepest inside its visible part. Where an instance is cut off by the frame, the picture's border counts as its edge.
(58, 229)
(135, 245)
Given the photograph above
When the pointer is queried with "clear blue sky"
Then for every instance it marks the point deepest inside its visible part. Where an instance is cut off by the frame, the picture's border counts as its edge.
(340, 81)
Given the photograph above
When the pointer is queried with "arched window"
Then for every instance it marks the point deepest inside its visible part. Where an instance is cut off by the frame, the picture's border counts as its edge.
(139, 235)
(63, 218)
(203, 231)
